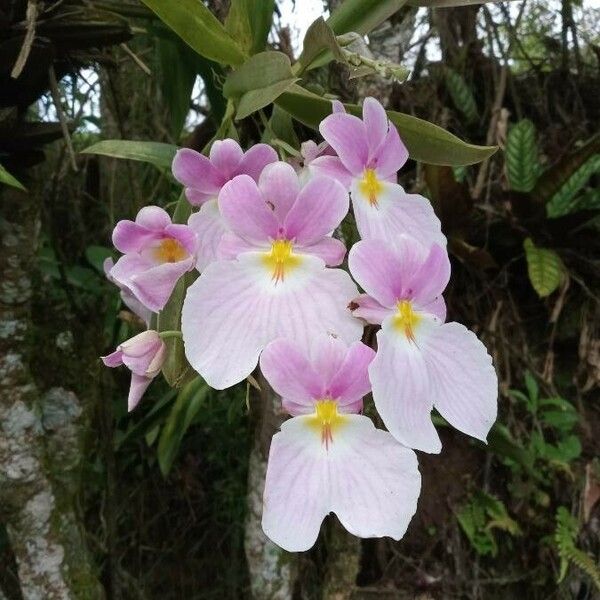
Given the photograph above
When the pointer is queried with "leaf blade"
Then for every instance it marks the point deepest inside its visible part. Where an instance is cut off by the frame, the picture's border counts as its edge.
(156, 153)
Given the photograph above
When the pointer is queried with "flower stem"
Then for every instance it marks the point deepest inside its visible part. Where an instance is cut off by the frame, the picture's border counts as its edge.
(170, 334)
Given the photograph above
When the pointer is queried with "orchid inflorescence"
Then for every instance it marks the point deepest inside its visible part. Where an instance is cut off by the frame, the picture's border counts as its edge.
(271, 290)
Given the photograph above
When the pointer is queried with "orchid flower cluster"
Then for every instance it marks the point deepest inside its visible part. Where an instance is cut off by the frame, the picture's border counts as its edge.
(271, 291)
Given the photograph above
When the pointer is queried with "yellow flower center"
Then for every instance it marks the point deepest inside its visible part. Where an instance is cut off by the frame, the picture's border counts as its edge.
(370, 186)
(170, 251)
(281, 259)
(406, 319)
(326, 419)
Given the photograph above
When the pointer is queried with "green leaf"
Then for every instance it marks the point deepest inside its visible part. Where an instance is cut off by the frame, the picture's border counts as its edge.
(425, 141)
(461, 95)
(259, 81)
(178, 73)
(249, 22)
(156, 153)
(554, 178)
(448, 3)
(96, 255)
(319, 37)
(501, 443)
(193, 22)
(8, 179)
(564, 201)
(190, 401)
(362, 16)
(522, 156)
(280, 127)
(533, 390)
(544, 267)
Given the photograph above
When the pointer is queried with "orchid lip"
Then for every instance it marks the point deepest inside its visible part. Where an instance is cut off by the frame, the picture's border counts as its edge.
(371, 186)
(327, 420)
(281, 259)
(406, 319)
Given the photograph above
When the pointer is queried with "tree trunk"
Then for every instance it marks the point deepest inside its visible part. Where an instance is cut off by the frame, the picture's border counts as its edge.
(38, 437)
(272, 572)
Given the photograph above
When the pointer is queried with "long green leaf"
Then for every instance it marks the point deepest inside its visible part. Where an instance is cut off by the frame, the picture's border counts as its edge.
(448, 3)
(8, 179)
(425, 141)
(362, 16)
(156, 153)
(249, 22)
(555, 177)
(193, 22)
(522, 156)
(563, 202)
(544, 267)
(189, 402)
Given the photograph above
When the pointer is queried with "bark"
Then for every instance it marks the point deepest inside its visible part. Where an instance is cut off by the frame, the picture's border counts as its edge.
(343, 563)
(39, 514)
(272, 570)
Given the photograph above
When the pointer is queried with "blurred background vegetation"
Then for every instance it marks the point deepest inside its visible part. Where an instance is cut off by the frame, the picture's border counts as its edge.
(156, 500)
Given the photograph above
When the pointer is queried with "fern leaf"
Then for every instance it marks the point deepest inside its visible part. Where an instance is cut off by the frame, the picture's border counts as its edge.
(545, 268)
(522, 165)
(563, 201)
(461, 95)
(565, 535)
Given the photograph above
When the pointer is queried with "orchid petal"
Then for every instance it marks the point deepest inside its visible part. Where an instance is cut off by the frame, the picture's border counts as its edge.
(279, 186)
(399, 377)
(128, 236)
(376, 124)
(391, 155)
(351, 382)
(226, 155)
(319, 209)
(255, 160)
(210, 228)
(139, 384)
(367, 308)
(331, 166)
(330, 250)
(193, 170)
(292, 376)
(245, 212)
(464, 385)
(394, 213)
(364, 476)
(347, 136)
(248, 309)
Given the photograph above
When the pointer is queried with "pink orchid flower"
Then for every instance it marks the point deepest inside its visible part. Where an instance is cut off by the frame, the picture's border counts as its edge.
(369, 155)
(156, 254)
(203, 179)
(127, 297)
(421, 361)
(276, 283)
(143, 355)
(327, 458)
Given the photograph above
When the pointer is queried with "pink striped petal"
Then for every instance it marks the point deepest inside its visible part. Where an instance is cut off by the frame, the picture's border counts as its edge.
(463, 382)
(139, 384)
(396, 213)
(351, 382)
(245, 212)
(367, 308)
(330, 250)
(378, 270)
(331, 166)
(153, 218)
(193, 170)
(432, 277)
(128, 236)
(364, 476)
(292, 376)
(114, 359)
(210, 228)
(248, 309)
(318, 210)
(255, 160)
(226, 155)
(327, 353)
(347, 136)
(391, 155)
(279, 186)
(198, 198)
(401, 390)
(376, 124)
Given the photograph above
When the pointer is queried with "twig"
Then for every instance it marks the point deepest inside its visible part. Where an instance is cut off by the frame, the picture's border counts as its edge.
(55, 93)
(136, 59)
(31, 18)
